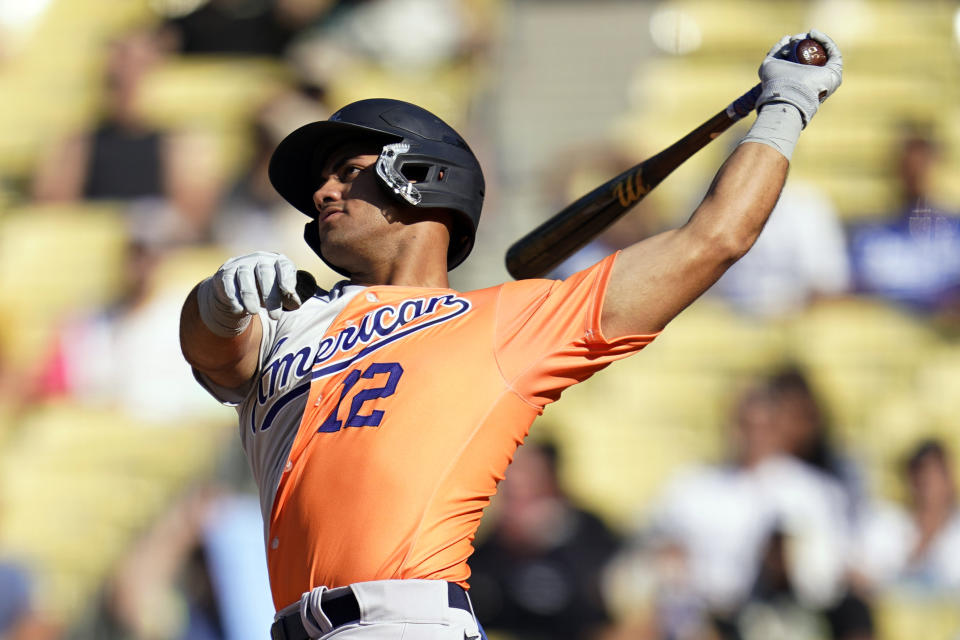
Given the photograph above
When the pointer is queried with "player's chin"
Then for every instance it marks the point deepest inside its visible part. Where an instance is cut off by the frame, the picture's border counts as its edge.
(337, 252)
(332, 235)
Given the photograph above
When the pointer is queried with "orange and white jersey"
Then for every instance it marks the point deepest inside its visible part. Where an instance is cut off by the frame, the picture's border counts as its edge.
(382, 419)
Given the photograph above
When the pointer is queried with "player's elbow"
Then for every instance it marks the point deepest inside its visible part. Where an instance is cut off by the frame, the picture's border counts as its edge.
(722, 246)
(736, 243)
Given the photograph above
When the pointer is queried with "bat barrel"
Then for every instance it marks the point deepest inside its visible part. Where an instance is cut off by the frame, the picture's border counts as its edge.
(560, 236)
(539, 251)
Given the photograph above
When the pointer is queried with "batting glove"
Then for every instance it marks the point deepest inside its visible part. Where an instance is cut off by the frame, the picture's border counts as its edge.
(803, 86)
(242, 286)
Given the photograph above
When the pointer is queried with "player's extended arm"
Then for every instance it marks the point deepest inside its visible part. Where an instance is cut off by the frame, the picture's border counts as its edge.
(220, 330)
(655, 279)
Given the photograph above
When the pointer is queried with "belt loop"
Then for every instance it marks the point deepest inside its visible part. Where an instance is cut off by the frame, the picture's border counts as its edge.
(315, 621)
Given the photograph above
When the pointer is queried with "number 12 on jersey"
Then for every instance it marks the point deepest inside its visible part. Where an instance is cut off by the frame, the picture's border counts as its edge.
(362, 394)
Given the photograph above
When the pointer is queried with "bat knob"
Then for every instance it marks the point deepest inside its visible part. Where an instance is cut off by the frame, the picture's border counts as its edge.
(306, 285)
(806, 51)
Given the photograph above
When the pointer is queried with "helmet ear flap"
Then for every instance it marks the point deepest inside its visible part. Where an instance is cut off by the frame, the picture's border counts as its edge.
(311, 235)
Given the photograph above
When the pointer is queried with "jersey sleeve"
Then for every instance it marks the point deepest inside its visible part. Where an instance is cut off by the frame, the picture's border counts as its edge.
(548, 333)
(235, 397)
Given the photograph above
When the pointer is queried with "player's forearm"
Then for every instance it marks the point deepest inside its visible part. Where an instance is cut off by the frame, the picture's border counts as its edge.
(227, 361)
(655, 279)
(739, 201)
(747, 186)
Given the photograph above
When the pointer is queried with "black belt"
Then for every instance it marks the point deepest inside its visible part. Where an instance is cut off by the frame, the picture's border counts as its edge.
(344, 609)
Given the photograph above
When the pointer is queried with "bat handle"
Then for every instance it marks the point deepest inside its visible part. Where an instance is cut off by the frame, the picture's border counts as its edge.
(743, 105)
(306, 286)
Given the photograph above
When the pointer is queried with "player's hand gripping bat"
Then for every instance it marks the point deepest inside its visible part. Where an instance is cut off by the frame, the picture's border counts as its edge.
(559, 237)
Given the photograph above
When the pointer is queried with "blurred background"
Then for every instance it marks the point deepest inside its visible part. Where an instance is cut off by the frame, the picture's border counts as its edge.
(778, 464)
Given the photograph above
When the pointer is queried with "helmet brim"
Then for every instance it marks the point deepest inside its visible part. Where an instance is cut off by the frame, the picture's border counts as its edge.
(294, 159)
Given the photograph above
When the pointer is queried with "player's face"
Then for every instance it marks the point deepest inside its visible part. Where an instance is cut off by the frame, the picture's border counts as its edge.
(357, 219)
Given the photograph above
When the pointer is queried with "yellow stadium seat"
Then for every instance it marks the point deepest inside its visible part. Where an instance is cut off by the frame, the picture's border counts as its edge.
(711, 335)
(908, 615)
(85, 16)
(98, 475)
(739, 29)
(216, 93)
(182, 268)
(860, 353)
(860, 332)
(54, 258)
(849, 394)
(618, 474)
(938, 387)
(447, 91)
(858, 196)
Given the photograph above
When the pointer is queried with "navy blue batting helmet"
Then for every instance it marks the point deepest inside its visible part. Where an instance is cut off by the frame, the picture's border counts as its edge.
(423, 162)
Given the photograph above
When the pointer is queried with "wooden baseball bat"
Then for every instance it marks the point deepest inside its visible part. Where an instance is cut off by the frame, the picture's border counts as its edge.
(559, 237)
(307, 286)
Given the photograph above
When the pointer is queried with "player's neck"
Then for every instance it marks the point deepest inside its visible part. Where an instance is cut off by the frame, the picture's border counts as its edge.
(414, 255)
(410, 266)
(403, 274)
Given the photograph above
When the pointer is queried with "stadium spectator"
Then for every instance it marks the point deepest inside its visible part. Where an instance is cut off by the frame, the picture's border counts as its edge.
(188, 577)
(537, 574)
(917, 547)
(95, 350)
(913, 257)
(125, 158)
(402, 35)
(800, 257)
(729, 524)
(806, 431)
(15, 392)
(19, 617)
(251, 213)
(803, 425)
(243, 27)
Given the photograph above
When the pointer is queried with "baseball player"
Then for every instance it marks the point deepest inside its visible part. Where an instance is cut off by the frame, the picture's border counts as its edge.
(378, 417)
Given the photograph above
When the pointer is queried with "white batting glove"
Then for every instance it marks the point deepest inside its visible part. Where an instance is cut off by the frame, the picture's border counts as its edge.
(244, 285)
(803, 86)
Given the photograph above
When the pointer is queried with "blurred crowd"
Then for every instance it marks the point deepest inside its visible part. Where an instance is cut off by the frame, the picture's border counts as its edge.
(783, 538)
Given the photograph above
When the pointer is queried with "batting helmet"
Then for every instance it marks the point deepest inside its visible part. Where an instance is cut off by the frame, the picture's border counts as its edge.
(423, 162)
